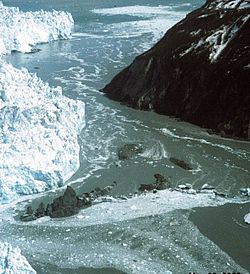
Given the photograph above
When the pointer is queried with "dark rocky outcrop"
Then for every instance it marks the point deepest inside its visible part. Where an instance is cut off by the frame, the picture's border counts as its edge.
(66, 205)
(182, 164)
(129, 151)
(199, 71)
(160, 183)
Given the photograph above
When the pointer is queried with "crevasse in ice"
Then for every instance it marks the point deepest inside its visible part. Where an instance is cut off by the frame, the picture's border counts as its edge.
(12, 261)
(38, 134)
(21, 31)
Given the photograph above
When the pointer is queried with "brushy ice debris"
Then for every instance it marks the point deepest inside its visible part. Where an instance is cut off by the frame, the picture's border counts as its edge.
(21, 31)
(38, 134)
(12, 261)
(247, 218)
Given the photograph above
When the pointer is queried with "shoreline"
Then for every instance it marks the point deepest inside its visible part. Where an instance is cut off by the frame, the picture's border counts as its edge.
(224, 225)
(53, 269)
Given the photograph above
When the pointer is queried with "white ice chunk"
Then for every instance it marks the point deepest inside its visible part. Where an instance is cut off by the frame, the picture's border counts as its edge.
(12, 261)
(247, 218)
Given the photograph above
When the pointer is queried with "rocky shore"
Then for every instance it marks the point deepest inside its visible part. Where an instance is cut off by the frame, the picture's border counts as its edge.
(198, 72)
(70, 203)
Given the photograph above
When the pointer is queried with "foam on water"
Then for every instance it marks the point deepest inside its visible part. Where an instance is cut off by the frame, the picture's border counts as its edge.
(38, 134)
(156, 152)
(239, 153)
(137, 10)
(22, 31)
(151, 20)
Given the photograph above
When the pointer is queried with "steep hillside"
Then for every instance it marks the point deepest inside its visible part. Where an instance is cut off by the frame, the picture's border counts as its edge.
(199, 71)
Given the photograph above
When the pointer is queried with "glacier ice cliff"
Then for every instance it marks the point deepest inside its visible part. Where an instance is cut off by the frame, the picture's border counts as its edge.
(38, 134)
(21, 31)
(12, 261)
(38, 125)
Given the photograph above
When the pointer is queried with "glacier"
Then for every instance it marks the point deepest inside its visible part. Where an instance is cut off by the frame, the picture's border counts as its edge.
(38, 125)
(38, 134)
(22, 31)
(12, 261)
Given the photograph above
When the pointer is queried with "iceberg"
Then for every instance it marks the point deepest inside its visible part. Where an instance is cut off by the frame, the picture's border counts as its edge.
(12, 261)
(247, 218)
(21, 31)
(38, 134)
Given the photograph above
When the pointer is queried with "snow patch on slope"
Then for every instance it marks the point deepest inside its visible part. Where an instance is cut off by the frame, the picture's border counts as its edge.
(21, 31)
(229, 4)
(12, 261)
(217, 40)
(38, 134)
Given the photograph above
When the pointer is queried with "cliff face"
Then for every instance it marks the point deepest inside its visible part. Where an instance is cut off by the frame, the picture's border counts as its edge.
(199, 71)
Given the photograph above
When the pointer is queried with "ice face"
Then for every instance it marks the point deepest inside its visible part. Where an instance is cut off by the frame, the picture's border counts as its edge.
(12, 261)
(38, 134)
(21, 31)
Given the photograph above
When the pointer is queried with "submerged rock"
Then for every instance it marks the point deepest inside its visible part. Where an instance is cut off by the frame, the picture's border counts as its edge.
(129, 151)
(198, 72)
(180, 163)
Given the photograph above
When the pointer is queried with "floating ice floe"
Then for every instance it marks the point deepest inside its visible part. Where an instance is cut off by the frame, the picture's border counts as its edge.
(21, 31)
(38, 134)
(245, 191)
(247, 218)
(12, 261)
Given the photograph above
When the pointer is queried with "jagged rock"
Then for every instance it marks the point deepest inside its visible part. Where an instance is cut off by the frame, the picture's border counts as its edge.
(180, 163)
(68, 204)
(129, 151)
(65, 205)
(29, 215)
(48, 211)
(29, 210)
(199, 71)
(160, 184)
(40, 212)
